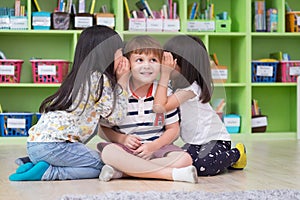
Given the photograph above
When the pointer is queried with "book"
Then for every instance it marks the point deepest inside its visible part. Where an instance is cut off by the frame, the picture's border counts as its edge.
(92, 6)
(17, 8)
(127, 9)
(37, 5)
(148, 9)
(215, 58)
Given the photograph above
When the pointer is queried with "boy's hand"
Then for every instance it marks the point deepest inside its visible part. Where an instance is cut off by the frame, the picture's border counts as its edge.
(168, 63)
(132, 142)
(145, 151)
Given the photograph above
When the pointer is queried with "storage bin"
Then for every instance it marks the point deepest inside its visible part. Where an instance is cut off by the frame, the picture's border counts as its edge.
(289, 71)
(259, 123)
(232, 123)
(291, 21)
(83, 20)
(10, 70)
(223, 25)
(219, 74)
(15, 124)
(49, 71)
(264, 71)
(61, 20)
(41, 20)
(106, 19)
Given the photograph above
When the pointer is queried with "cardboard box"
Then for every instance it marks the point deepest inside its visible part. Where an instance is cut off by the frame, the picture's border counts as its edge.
(259, 123)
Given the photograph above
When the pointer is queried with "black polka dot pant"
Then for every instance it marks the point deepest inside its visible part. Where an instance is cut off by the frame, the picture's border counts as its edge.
(213, 157)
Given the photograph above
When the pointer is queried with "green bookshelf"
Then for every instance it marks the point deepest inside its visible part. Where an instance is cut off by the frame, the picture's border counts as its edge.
(235, 49)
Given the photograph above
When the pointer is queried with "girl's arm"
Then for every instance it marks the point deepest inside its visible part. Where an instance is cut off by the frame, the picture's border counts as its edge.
(162, 102)
(122, 70)
(108, 134)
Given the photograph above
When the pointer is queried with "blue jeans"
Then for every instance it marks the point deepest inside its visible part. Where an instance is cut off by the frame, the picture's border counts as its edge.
(67, 160)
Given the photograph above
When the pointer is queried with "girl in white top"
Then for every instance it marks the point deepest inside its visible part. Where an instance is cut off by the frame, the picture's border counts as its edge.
(56, 144)
(205, 135)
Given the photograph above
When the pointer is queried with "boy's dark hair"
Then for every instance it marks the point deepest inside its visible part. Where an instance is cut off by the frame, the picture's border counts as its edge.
(94, 52)
(143, 44)
(193, 60)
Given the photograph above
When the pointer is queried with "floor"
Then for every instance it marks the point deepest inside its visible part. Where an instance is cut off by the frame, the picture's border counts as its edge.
(271, 165)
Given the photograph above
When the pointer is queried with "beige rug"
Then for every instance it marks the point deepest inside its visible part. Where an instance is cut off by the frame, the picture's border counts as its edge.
(152, 195)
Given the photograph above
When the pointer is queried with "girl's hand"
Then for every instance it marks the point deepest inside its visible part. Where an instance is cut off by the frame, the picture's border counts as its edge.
(145, 151)
(168, 63)
(132, 142)
(122, 68)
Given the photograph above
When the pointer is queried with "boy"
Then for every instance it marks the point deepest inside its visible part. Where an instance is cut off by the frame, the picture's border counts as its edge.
(144, 139)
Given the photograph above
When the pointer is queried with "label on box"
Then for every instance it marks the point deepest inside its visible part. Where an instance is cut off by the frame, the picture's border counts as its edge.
(83, 22)
(106, 21)
(263, 70)
(137, 24)
(18, 23)
(193, 26)
(207, 26)
(4, 21)
(294, 71)
(7, 70)
(171, 25)
(298, 21)
(154, 25)
(259, 122)
(201, 26)
(219, 73)
(46, 70)
(232, 121)
(16, 123)
(41, 21)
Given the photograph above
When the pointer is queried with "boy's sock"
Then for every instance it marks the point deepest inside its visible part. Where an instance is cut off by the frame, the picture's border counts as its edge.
(33, 174)
(242, 161)
(186, 174)
(108, 172)
(24, 168)
(22, 161)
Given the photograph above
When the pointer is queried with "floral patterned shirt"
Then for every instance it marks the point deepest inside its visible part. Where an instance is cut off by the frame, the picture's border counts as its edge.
(78, 126)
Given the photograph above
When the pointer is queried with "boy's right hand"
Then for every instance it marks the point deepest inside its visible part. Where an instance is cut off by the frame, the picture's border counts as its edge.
(132, 142)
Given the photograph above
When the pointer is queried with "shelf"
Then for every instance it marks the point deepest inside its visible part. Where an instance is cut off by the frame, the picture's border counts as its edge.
(274, 84)
(29, 85)
(235, 49)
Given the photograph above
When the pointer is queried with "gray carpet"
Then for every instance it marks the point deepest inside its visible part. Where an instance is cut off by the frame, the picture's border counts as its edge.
(152, 195)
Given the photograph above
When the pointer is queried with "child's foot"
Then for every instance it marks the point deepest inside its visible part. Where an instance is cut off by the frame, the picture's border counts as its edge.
(242, 161)
(186, 174)
(24, 167)
(22, 161)
(108, 172)
(33, 174)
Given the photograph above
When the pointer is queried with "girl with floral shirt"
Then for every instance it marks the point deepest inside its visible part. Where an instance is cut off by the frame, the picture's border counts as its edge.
(94, 89)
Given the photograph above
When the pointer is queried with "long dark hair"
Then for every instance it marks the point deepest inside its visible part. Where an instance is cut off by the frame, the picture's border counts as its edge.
(94, 52)
(193, 60)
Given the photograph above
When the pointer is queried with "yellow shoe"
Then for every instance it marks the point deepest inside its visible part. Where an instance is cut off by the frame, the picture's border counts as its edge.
(242, 161)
